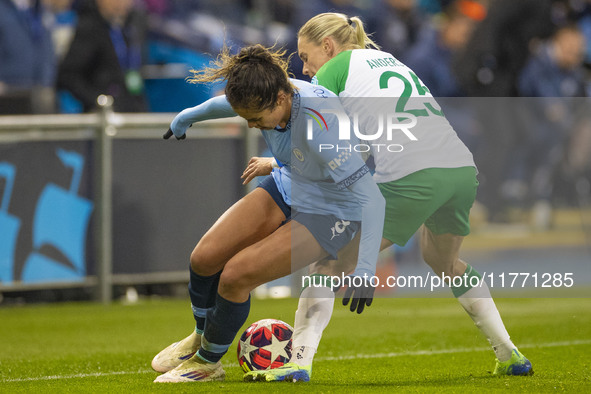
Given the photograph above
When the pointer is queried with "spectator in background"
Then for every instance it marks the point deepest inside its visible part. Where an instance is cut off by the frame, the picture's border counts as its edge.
(555, 68)
(398, 25)
(488, 67)
(61, 22)
(27, 62)
(432, 57)
(498, 49)
(554, 73)
(105, 56)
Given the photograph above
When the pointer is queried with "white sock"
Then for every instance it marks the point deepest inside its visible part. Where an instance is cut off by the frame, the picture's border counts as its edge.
(311, 318)
(302, 355)
(479, 304)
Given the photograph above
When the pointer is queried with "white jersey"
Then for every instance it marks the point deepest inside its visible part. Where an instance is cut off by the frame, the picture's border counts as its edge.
(371, 84)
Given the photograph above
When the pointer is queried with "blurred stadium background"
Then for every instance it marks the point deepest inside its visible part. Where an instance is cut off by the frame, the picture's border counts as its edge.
(93, 205)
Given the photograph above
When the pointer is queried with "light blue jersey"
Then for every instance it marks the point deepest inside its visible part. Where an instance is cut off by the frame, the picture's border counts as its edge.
(313, 180)
(317, 187)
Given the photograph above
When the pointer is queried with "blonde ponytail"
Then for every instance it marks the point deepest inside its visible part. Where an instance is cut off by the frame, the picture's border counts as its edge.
(348, 33)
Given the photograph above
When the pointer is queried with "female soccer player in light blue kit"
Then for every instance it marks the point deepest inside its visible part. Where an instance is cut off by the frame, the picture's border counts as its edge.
(325, 188)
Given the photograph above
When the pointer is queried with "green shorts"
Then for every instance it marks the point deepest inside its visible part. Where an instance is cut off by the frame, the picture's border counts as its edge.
(439, 197)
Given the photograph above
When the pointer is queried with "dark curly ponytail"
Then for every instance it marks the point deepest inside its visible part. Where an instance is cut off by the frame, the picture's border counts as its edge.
(254, 76)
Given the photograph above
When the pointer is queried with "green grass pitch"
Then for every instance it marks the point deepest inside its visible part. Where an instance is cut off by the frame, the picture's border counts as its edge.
(402, 344)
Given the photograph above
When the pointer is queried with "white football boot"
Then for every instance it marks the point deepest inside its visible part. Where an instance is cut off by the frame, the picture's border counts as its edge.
(176, 353)
(193, 370)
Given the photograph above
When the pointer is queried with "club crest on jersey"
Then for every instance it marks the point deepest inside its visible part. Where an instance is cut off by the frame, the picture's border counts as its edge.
(298, 154)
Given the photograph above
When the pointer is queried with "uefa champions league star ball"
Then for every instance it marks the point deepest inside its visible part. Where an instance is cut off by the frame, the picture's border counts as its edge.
(264, 345)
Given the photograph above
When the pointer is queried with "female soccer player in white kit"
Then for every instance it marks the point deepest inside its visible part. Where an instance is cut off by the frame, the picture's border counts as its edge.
(428, 178)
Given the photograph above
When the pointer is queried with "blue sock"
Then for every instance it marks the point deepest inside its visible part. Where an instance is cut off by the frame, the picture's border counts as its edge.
(202, 291)
(223, 322)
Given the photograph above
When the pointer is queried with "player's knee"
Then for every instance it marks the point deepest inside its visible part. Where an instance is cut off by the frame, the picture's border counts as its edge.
(204, 260)
(236, 279)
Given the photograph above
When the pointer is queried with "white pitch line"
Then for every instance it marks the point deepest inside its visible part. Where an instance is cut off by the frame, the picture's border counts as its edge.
(338, 358)
(74, 376)
(448, 351)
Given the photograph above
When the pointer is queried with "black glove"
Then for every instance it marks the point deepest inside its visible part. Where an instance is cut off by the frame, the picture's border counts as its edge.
(360, 293)
(169, 134)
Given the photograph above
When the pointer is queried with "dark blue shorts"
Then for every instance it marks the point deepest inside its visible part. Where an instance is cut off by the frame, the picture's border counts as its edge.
(331, 232)
(269, 185)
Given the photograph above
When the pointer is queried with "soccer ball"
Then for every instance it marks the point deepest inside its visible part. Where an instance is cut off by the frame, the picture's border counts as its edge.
(266, 344)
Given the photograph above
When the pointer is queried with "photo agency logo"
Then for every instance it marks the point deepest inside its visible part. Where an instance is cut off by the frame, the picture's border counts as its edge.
(389, 126)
